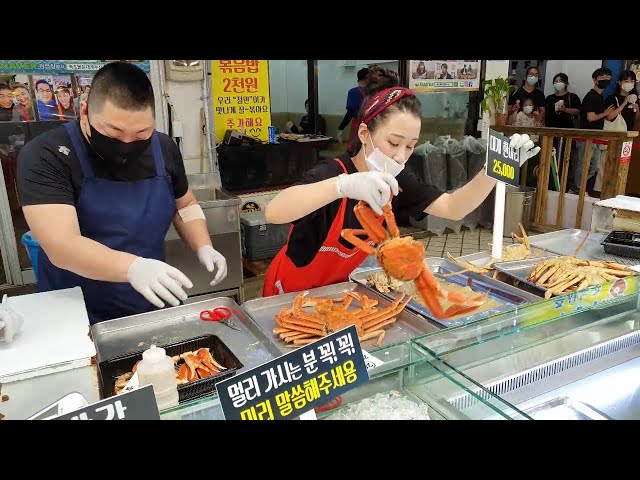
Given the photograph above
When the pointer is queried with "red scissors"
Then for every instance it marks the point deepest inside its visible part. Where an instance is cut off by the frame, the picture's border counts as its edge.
(219, 314)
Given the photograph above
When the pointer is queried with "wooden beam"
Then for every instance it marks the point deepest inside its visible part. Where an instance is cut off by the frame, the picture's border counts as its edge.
(563, 181)
(586, 161)
(545, 171)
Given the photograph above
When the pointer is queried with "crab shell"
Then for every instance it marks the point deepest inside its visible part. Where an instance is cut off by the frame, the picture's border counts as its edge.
(401, 258)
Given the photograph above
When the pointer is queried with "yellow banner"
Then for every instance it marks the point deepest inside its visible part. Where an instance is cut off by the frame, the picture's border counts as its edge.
(240, 97)
(589, 298)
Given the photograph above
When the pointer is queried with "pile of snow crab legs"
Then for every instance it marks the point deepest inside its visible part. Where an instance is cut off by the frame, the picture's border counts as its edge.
(190, 366)
(400, 258)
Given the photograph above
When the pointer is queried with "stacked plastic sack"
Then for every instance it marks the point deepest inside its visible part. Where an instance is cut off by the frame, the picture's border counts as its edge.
(449, 164)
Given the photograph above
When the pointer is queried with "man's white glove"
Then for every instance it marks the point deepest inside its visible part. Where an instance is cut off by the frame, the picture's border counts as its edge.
(373, 187)
(526, 146)
(211, 258)
(288, 126)
(10, 322)
(156, 280)
(339, 136)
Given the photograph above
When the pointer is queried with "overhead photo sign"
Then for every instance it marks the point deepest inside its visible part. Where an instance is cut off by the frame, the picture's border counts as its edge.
(437, 75)
(293, 384)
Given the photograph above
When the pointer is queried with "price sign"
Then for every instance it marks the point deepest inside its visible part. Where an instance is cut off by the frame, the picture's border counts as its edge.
(503, 162)
(138, 404)
(290, 385)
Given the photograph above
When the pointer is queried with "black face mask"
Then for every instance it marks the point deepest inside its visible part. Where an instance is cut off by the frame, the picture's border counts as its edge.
(603, 84)
(115, 151)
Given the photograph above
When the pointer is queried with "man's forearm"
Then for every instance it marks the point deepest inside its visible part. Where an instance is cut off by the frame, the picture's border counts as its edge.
(345, 120)
(90, 259)
(194, 233)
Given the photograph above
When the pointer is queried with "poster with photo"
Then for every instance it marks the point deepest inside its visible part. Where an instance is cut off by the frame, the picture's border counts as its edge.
(54, 97)
(23, 100)
(83, 86)
(438, 75)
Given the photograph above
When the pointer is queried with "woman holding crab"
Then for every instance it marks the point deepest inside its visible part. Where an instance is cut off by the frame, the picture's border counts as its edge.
(322, 204)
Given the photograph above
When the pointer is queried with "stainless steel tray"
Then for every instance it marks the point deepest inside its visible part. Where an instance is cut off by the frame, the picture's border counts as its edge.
(503, 293)
(263, 310)
(565, 242)
(520, 269)
(564, 408)
(481, 259)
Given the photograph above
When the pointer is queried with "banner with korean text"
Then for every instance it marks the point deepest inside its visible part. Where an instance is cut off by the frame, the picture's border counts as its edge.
(240, 97)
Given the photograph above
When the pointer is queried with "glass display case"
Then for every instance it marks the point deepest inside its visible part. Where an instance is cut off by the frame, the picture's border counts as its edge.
(584, 365)
(409, 375)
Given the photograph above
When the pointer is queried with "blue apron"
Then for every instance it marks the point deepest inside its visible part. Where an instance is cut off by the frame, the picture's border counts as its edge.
(131, 217)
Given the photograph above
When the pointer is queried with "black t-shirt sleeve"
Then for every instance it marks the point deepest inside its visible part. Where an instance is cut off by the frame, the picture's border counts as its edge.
(175, 166)
(610, 100)
(43, 178)
(415, 196)
(574, 101)
(538, 98)
(591, 103)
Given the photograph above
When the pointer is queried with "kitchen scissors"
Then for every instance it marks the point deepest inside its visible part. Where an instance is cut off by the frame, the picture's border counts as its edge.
(218, 314)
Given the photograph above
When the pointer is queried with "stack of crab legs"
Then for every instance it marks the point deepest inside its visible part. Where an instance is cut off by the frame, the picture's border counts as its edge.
(400, 258)
(197, 364)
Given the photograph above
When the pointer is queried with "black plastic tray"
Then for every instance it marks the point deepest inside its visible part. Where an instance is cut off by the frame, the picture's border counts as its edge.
(111, 369)
(623, 244)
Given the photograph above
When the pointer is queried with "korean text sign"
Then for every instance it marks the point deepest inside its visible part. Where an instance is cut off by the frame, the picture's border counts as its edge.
(293, 384)
(240, 97)
(503, 162)
(138, 404)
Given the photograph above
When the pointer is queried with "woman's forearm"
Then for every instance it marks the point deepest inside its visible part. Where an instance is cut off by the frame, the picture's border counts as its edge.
(455, 206)
(296, 202)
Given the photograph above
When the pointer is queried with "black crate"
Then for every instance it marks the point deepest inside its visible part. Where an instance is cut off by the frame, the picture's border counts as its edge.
(623, 244)
(111, 369)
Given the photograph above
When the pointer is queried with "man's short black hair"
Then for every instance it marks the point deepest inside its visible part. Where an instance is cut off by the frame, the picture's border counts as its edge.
(123, 84)
(4, 86)
(362, 73)
(598, 72)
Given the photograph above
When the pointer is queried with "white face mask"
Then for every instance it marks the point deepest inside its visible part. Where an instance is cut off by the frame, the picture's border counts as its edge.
(559, 86)
(628, 86)
(528, 109)
(379, 162)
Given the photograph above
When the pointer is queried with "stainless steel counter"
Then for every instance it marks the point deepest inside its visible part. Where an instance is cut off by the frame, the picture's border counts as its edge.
(222, 212)
(127, 335)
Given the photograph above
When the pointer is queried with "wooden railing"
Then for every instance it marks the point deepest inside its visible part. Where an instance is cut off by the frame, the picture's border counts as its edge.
(615, 173)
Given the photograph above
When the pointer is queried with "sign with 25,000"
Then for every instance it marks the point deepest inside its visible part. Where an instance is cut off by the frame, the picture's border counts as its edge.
(296, 382)
(503, 162)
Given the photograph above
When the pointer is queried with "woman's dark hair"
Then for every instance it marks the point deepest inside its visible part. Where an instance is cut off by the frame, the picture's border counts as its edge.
(626, 75)
(563, 78)
(380, 78)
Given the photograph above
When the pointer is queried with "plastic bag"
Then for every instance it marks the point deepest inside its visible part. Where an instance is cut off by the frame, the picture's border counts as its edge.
(434, 167)
(456, 164)
(476, 155)
(417, 160)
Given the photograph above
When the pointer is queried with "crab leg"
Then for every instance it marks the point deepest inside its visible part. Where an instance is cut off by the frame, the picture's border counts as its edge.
(430, 289)
(350, 236)
(370, 222)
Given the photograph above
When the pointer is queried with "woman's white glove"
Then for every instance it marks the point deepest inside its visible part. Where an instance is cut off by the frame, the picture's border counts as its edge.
(211, 258)
(155, 280)
(10, 322)
(526, 146)
(373, 187)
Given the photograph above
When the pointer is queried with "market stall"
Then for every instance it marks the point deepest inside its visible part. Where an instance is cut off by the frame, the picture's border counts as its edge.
(428, 366)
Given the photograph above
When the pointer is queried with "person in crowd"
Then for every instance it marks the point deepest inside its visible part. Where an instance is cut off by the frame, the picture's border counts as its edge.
(354, 100)
(528, 90)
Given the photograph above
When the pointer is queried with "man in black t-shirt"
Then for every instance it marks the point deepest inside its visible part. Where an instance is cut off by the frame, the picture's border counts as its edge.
(592, 115)
(100, 194)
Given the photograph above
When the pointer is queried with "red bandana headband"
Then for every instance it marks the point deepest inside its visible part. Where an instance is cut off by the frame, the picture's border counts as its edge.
(383, 99)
